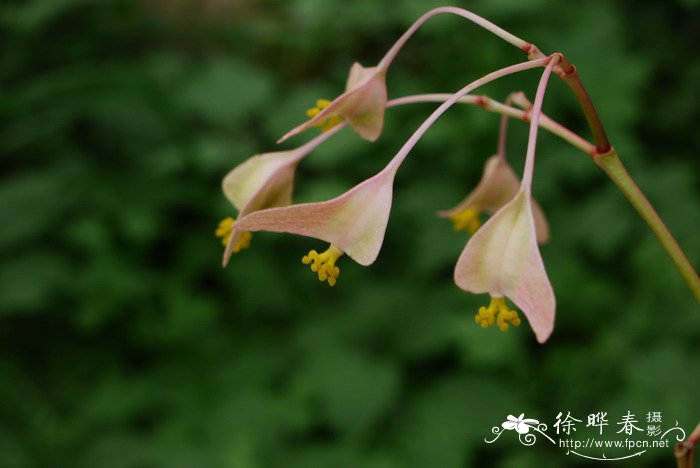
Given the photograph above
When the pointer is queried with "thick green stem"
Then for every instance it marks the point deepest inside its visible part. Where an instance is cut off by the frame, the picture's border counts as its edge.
(610, 163)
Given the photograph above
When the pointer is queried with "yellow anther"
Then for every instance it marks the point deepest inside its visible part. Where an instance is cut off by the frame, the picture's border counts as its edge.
(466, 220)
(243, 242)
(313, 112)
(507, 316)
(324, 264)
(225, 231)
(327, 123)
(486, 317)
(497, 312)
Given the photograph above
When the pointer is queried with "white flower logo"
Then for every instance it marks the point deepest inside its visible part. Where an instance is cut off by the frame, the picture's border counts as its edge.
(522, 426)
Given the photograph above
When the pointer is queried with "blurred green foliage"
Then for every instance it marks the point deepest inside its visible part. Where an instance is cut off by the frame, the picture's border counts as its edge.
(124, 344)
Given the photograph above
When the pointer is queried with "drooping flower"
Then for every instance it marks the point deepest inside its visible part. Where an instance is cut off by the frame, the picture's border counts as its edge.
(502, 259)
(498, 186)
(352, 223)
(362, 105)
(262, 181)
(364, 100)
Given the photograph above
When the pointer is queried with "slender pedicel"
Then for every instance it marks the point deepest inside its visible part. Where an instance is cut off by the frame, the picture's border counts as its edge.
(363, 102)
(406, 148)
(354, 223)
(484, 23)
(565, 70)
(589, 111)
(233, 239)
(494, 106)
(503, 131)
(534, 124)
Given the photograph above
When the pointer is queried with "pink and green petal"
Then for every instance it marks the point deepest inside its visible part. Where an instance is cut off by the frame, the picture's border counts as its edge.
(354, 222)
(503, 259)
(245, 182)
(498, 185)
(362, 104)
(264, 181)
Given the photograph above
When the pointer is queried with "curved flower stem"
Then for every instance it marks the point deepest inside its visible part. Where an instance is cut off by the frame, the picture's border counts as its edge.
(685, 451)
(520, 100)
(503, 132)
(567, 72)
(410, 143)
(610, 164)
(599, 136)
(494, 106)
(694, 436)
(685, 455)
(534, 124)
(503, 34)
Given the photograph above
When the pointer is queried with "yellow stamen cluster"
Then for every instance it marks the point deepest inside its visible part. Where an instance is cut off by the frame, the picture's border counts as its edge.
(323, 124)
(225, 231)
(466, 220)
(324, 264)
(497, 312)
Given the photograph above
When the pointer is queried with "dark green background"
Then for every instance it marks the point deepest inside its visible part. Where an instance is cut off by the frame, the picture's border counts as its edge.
(124, 344)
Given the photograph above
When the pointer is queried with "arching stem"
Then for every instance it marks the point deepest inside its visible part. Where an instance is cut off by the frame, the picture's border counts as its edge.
(610, 164)
(496, 107)
(534, 124)
(484, 23)
(411, 142)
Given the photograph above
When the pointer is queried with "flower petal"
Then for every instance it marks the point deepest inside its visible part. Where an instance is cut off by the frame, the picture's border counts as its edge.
(354, 222)
(502, 259)
(541, 224)
(358, 74)
(246, 180)
(498, 185)
(362, 104)
(228, 251)
(265, 181)
(365, 111)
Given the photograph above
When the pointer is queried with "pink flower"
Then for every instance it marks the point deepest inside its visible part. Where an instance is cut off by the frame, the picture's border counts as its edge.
(498, 185)
(361, 105)
(502, 259)
(262, 181)
(364, 100)
(353, 223)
